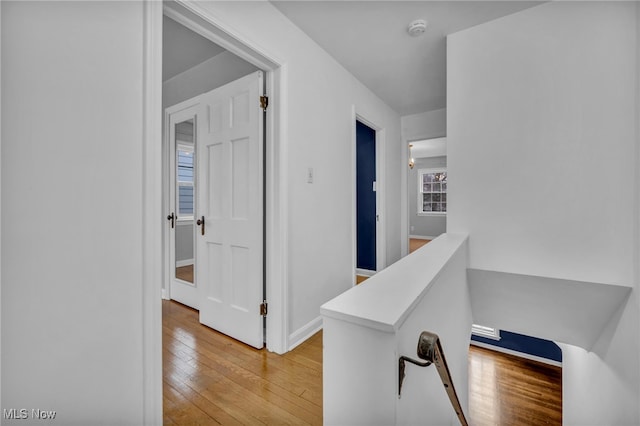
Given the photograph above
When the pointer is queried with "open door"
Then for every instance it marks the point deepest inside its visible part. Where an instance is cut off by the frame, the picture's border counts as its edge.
(229, 230)
(182, 122)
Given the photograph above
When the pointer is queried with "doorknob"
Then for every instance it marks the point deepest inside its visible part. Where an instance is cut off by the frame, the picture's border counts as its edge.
(200, 222)
(172, 218)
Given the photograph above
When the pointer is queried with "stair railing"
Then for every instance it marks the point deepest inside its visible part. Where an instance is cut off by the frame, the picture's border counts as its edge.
(430, 349)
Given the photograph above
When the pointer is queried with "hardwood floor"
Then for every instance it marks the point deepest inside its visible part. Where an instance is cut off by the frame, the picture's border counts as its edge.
(508, 390)
(415, 244)
(360, 278)
(210, 379)
(185, 273)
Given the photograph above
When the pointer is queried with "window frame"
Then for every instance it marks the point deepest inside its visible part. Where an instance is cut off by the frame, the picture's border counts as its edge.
(185, 147)
(485, 331)
(419, 206)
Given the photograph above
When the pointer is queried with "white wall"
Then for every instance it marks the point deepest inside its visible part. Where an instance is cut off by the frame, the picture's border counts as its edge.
(317, 132)
(425, 125)
(71, 210)
(0, 210)
(543, 167)
(637, 175)
(557, 101)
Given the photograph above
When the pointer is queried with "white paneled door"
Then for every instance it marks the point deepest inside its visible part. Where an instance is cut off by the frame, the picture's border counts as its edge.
(229, 234)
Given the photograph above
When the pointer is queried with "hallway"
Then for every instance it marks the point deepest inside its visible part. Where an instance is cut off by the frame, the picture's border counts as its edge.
(210, 378)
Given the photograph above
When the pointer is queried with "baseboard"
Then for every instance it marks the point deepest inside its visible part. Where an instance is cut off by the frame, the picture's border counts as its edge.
(303, 333)
(365, 272)
(422, 237)
(165, 294)
(186, 262)
(516, 353)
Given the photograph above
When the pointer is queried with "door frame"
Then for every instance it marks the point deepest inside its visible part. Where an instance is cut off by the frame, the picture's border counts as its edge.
(381, 252)
(198, 19)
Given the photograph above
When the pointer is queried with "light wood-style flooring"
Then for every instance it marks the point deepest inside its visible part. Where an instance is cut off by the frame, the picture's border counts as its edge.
(361, 278)
(211, 379)
(416, 243)
(185, 273)
(509, 390)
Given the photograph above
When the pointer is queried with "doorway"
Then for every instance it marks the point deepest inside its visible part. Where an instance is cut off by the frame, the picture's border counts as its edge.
(216, 184)
(235, 55)
(369, 254)
(427, 191)
(366, 209)
(154, 205)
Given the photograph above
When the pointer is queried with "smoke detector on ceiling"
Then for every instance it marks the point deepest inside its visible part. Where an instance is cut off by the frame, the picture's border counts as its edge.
(417, 27)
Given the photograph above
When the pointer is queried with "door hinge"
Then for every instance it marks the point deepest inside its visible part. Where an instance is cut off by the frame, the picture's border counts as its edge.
(264, 102)
(263, 308)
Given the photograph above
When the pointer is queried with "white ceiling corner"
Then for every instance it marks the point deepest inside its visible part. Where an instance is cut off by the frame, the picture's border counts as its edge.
(183, 49)
(370, 40)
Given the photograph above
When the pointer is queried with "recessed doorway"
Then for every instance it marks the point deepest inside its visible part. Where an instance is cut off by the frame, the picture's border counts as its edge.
(427, 191)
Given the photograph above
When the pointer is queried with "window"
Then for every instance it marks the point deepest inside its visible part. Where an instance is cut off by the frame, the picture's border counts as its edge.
(432, 191)
(483, 331)
(184, 181)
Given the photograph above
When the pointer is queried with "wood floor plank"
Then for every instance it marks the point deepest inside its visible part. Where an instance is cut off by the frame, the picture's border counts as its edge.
(252, 386)
(182, 410)
(247, 385)
(416, 243)
(211, 379)
(508, 390)
(290, 374)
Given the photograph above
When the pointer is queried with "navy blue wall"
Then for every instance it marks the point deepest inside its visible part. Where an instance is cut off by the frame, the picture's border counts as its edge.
(526, 344)
(366, 197)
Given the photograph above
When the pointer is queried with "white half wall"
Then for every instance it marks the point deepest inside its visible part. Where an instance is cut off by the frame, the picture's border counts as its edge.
(72, 311)
(368, 328)
(317, 131)
(543, 172)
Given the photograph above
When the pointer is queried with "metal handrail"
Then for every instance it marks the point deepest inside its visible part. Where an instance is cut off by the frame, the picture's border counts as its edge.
(430, 349)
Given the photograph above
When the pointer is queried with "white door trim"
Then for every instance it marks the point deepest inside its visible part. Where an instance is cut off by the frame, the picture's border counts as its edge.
(152, 208)
(276, 227)
(0, 209)
(195, 17)
(381, 247)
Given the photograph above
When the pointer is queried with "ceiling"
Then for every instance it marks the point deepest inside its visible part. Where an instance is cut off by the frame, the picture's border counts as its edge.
(369, 39)
(183, 49)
